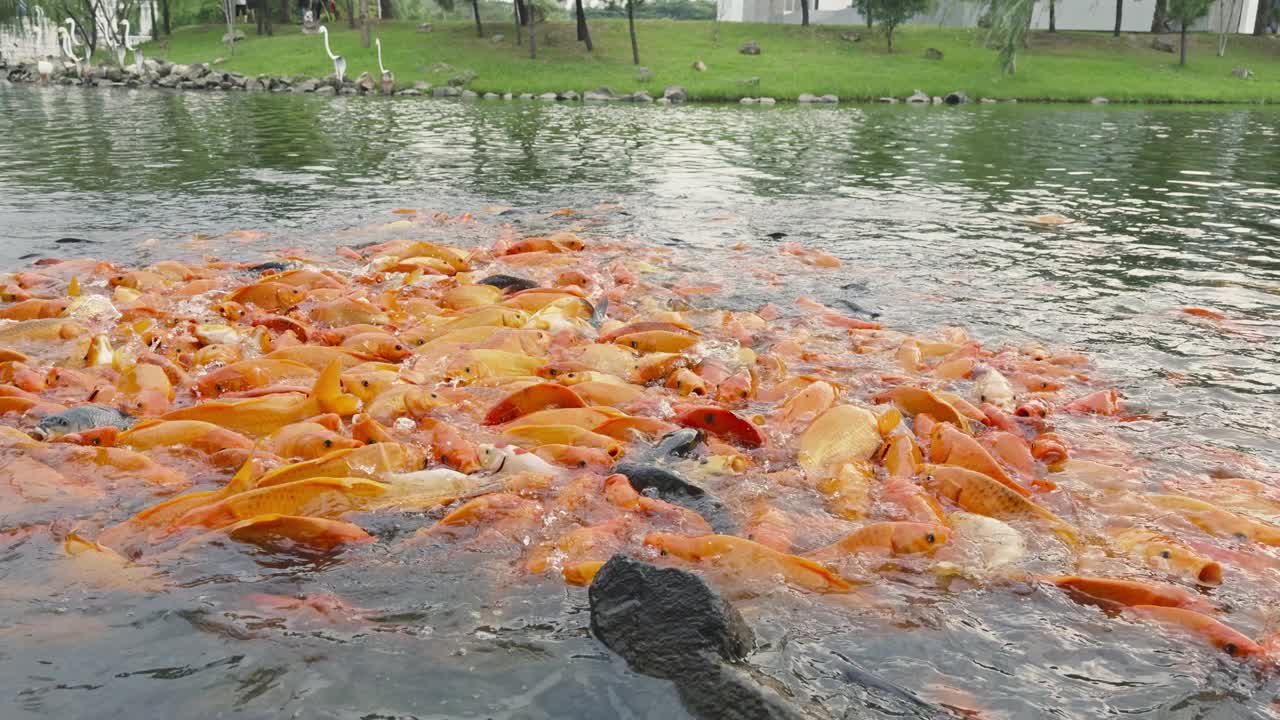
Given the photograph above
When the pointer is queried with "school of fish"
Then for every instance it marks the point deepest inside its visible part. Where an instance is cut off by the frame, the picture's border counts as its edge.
(567, 397)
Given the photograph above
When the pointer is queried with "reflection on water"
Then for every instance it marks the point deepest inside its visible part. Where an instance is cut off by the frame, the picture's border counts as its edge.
(927, 207)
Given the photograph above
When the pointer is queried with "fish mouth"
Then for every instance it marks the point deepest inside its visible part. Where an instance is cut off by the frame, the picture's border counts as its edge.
(39, 433)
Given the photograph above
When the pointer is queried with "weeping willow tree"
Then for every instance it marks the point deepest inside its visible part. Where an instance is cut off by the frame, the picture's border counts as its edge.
(1010, 20)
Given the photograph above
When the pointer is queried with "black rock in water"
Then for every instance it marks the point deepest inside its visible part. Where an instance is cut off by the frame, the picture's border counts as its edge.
(667, 623)
(509, 283)
(664, 622)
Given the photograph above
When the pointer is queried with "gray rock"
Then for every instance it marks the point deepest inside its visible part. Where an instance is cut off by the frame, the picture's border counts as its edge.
(424, 28)
(255, 85)
(491, 96)
(115, 74)
(410, 92)
(445, 92)
(168, 81)
(750, 47)
(237, 80)
(747, 101)
(365, 82)
(497, 38)
(956, 97)
(699, 66)
(234, 36)
(600, 94)
(918, 97)
(462, 78)
(937, 100)
(507, 96)
(548, 96)
(932, 54)
(179, 70)
(663, 101)
(1099, 101)
(766, 101)
(348, 90)
(307, 85)
(664, 621)
(422, 86)
(640, 96)
(643, 75)
(851, 37)
(807, 98)
(156, 67)
(829, 99)
(987, 101)
(1163, 44)
(889, 100)
(569, 96)
(675, 93)
(470, 95)
(326, 90)
(1242, 73)
(527, 96)
(197, 70)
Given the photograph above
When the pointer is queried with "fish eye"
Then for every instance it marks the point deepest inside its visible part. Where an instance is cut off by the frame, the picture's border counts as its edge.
(96, 441)
(553, 372)
(1166, 554)
(218, 387)
(399, 348)
(582, 463)
(710, 418)
(364, 383)
(1241, 536)
(929, 538)
(466, 369)
(1230, 648)
(328, 443)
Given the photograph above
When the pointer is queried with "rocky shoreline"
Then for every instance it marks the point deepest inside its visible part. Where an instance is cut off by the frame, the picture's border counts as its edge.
(156, 73)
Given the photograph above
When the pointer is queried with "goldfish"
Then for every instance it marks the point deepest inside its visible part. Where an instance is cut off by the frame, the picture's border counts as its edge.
(977, 493)
(892, 538)
(263, 416)
(745, 558)
(1164, 553)
(1214, 632)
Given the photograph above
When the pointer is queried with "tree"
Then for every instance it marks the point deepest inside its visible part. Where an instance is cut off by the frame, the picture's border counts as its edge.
(351, 14)
(1262, 21)
(1226, 14)
(890, 14)
(475, 9)
(1160, 17)
(229, 12)
(1186, 12)
(631, 27)
(584, 33)
(804, 12)
(164, 14)
(262, 15)
(1053, 16)
(1119, 17)
(1009, 23)
(364, 24)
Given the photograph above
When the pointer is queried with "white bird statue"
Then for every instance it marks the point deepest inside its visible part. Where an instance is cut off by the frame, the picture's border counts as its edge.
(388, 79)
(64, 41)
(137, 56)
(339, 62)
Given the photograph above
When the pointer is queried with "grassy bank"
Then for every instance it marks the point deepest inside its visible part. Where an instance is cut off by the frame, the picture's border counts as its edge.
(794, 60)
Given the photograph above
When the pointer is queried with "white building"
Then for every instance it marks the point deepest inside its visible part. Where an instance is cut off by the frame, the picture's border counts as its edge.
(1236, 15)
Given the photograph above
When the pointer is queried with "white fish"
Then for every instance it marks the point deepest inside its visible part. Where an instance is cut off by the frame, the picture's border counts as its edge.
(506, 460)
(998, 542)
(992, 387)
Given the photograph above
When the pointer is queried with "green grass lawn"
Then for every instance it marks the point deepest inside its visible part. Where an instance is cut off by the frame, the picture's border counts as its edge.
(794, 60)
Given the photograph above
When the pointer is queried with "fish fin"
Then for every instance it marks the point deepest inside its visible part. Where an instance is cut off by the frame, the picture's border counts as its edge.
(328, 392)
(243, 479)
(73, 288)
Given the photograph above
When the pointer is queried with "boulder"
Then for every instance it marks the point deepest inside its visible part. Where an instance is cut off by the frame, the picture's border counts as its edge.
(667, 623)
(115, 74)
(675, 94)
(237, 80)
(1163, 44)
(955, 97)
(409, 92)
(851, 37)
(569, 96)
(747, 101)
(987, 101)
(507, 96)
(639, 96)
(937, 100)
(699, 66)
(421, 86)
(527, 96)
(218, 61)
(918, 97)
(445, 92)
(1099, 101)
(932, 54)
(549, 96)
(470, 95)
(643, 75)
(750, 47)
(1242, 73)
(168, 81)
(766, 101)
(663, 101)
(365, 82)
(307, 85)
(664, 621)
(197, 70)
(233, 36)
(349, 90)
(462, 78)
(807, 98)
(425, 28)
(600, 94)
(889, 100)
(491, 96)
(255, 85)
(179, 70)
(326, 90)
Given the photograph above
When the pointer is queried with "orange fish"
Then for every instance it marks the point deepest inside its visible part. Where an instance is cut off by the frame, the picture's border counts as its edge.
(745, 558)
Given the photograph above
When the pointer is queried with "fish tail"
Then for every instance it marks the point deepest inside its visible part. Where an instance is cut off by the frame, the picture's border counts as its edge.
(328, 392)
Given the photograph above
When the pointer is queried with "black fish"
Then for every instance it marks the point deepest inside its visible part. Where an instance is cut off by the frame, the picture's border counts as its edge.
(71, 241)
(680, 443)
(509, 283)
(598, 312)
(276, 265)
(856, 308)
(854, 674)
(79, 419)
(775, 235)
(669, 486)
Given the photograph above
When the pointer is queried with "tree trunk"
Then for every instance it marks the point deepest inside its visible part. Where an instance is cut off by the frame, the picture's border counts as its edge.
(164, 14)
(1182, 43)
(351, 14)
(364, 24)
(515, 9)
(888, 36)
(804, 12)
(531, 15)
(1262, 20)
(584, 33)
(868, 16)
(266, 18)
(1160, 17)
(1053, 16)
(631, 25)
(1119, 17)
(475, 9)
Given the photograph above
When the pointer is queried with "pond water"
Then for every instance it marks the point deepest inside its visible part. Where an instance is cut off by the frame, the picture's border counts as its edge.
(927, 208)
